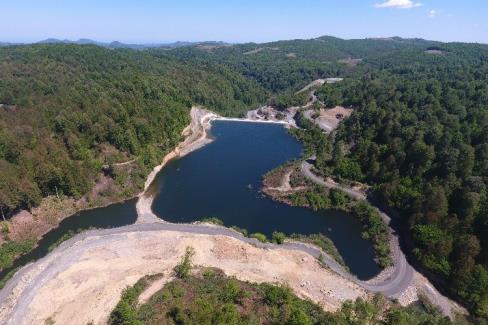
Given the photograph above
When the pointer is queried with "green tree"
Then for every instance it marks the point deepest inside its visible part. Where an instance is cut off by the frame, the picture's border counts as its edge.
(278, 237)
(183, 268)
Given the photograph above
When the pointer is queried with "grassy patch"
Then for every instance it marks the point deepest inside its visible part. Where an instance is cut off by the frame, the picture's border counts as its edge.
(8, 276)
(243, 231)
(278, 237)
(259, 236)
(70, 234)
(209, 297)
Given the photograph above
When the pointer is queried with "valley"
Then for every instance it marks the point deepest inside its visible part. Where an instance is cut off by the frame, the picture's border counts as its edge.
(372, 174)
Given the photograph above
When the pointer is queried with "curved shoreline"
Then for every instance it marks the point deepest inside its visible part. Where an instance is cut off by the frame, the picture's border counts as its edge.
(399, 276)
(392, 282)
(402, 272)
(30, 282)
(19, 304)
(196, 136)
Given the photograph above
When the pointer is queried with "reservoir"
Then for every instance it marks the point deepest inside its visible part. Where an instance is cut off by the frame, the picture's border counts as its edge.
(115, 215)
(224, 178)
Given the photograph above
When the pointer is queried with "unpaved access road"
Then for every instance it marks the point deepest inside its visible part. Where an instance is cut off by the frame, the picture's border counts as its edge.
(72, 285)
(43, 281)
(402, 277)
(81, 281)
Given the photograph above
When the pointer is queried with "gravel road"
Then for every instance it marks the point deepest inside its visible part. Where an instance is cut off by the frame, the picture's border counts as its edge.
(403, 275)
(391, 287)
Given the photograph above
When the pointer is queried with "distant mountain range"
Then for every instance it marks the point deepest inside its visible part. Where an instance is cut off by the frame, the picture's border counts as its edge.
(116, 44)
(7, 44)
(173, 45)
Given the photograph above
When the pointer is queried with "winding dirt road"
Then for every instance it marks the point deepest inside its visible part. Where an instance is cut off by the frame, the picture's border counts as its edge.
(403, 272)
(81, 281)
(404, 275)
(17, 295)
(13, 311)
(20, 291)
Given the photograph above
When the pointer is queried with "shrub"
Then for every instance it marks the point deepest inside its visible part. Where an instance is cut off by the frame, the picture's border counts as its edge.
(241, 230)
(338, 198)
(208, 273)
(126, 310)
(227, 315)
(276, 295)
(5, 229)
(278, 237)
(182, 269)
(12, 249)
(259, 236)
(213, 220)
(231, 292)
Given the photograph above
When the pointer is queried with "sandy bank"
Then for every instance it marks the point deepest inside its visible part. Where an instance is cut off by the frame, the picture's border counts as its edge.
(196, 136)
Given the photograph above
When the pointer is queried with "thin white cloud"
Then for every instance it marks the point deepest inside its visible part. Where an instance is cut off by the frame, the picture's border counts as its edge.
(432, 13)
(402, 4)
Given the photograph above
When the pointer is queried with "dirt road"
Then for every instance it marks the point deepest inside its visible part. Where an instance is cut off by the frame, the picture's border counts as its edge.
(402, 279)
(51, 286)
(26, 286)
(81, 280)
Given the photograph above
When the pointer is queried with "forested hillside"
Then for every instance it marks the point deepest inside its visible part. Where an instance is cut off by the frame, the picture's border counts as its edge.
(67, 111)
(290, 65)
(419, 136)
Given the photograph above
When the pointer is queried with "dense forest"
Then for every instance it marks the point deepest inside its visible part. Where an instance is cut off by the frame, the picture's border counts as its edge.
(67, 111)
(418, 135)
(289, 65)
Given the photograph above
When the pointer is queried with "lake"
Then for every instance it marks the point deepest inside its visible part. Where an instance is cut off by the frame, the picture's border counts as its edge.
(115, 215)
(224, 178)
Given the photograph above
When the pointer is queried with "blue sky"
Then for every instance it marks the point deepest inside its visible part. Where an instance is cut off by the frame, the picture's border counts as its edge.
(242, 20)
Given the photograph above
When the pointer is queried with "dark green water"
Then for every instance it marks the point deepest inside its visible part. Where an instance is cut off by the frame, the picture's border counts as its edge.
(223, 180)
(115, 215)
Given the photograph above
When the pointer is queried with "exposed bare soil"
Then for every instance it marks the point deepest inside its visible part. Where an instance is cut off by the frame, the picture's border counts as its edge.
(83, 283)
(328, 119)
(283, 181)
(435, 52)
(351, 62)
(257, 50)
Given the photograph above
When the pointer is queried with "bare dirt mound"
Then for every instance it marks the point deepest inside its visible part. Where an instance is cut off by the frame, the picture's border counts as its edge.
(83, 282)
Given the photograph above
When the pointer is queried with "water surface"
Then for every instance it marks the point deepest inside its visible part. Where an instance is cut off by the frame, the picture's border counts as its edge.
(223, 180)
(115, 215)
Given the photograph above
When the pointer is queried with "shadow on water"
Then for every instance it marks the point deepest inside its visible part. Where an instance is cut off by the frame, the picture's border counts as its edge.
(223, 180)
(115, 215)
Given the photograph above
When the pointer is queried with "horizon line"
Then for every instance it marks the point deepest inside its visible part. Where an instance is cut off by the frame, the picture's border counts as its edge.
(51, 40)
